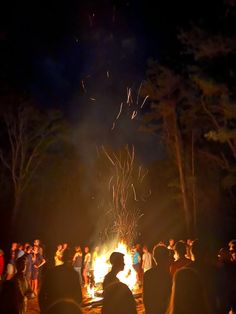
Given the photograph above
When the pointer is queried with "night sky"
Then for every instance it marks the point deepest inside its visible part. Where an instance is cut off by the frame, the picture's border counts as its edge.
(50, 46)
(81, 56)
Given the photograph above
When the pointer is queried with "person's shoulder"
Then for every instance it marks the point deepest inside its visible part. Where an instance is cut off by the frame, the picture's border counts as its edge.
(150, 272)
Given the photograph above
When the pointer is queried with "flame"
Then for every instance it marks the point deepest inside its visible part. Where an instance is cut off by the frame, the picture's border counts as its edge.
(90, 291)
(102, 266)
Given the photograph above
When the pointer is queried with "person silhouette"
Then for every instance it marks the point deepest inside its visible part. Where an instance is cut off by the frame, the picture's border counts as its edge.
(117, 297)
(60, 282)
(157, 282)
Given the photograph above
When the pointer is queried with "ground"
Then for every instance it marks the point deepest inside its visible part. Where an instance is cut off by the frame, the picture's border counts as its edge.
(93, 308)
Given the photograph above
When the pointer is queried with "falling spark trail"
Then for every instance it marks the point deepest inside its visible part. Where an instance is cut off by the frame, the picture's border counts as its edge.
(121, 106)
(144, 101)
(144, 175)
(83, 86)
(135, 197)
(134, 114)
(93, 99)
(139, 92)
(128, 96)
(108, 75)
(113, 125)
(109, 184)
(108, 156)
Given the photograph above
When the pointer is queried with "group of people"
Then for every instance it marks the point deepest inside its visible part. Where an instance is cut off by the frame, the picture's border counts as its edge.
(82, 261)
(176, 278)
(184, 278)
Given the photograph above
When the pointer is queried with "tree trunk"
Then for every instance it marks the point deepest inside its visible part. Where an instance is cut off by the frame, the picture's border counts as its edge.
(194, 199)
(182, 179)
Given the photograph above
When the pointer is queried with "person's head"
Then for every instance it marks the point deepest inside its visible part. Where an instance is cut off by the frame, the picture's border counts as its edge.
(145, 249)
(224, 255)
(59, 247)
(14, 246)
(86, 249)
(199, 250)
(117, 261)
(180, 248)
(232, 249)
(78, 249)
(37, 242)
(1, 252)
(35, 249)
(67, 256)
(161, 255)
(65, 246)
(28, 249)
(171, 242)
(188, 294)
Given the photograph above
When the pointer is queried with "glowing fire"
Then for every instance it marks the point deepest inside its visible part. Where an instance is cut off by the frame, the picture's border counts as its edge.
(102, 266)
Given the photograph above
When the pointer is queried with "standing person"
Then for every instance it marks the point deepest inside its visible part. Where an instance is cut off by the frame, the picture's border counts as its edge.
(146, 259)
(1, 265)
(117, 297)
(157, 282)
(77, 262)
(181, 259)
(28, 257)
(37, 242)
(58, 284)
(15, 292)
(37, 262)
(11, 268)
(137, 260)
(58, 255)
(86, 266)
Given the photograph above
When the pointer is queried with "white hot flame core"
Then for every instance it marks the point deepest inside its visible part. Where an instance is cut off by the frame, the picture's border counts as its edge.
(102, 266)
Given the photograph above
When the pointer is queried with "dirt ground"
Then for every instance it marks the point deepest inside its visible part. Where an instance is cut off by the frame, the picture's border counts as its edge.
(87, 307)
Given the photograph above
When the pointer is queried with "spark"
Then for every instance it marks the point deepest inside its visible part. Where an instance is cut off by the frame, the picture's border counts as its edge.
(128, 96)
(139, 171)
(134, 114)
(113, 125)
(109, 184)
(139, 92)
(108, 74)
(108, 156)
(135, 196)
(91, 98)
(121, 106)
(144, 175)
(76, 39)
(144, 101)
(83, 86)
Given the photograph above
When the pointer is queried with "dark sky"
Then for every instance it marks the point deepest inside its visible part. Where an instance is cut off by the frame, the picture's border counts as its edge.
(82, 56)
(51, 45)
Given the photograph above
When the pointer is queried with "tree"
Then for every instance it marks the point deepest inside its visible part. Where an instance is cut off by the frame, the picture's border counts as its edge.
(164, 88)
(28, 133)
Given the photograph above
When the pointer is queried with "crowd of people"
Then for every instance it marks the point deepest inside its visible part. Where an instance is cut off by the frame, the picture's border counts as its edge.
(179, 277)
